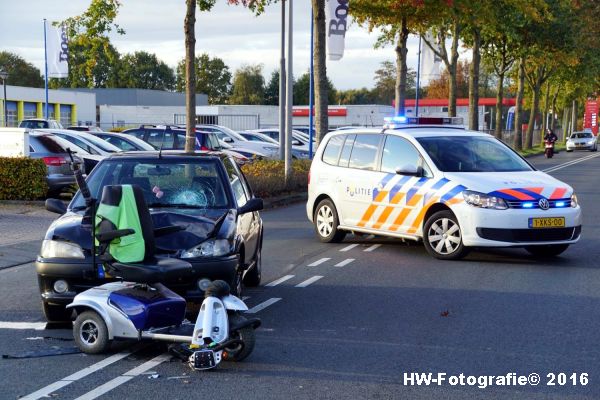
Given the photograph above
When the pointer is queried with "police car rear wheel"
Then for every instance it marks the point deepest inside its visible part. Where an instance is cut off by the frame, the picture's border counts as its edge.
(326, 223)
(442, 237)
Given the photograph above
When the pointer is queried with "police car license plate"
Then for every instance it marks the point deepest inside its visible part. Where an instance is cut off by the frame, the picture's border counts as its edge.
(552, 222)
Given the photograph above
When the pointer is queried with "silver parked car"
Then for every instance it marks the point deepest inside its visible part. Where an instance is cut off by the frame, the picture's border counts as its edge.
(582, 141)
(86, 141)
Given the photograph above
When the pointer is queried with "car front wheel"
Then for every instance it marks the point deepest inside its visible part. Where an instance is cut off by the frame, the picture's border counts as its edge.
(442, 237)
(326, 223)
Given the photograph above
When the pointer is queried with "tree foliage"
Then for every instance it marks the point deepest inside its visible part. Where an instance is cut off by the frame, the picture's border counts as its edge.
(213, 78)
(248, 85)
(20, 72)
(145, 71)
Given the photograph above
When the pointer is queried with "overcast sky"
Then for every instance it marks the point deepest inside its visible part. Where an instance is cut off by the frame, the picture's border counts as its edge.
(229, 32)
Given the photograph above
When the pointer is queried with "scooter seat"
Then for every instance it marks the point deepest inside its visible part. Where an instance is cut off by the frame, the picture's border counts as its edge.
(153, 269)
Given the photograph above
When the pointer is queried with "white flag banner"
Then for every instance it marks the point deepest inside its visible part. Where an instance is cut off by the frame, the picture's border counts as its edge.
(430, 62)
(57, 51)
(336, 16)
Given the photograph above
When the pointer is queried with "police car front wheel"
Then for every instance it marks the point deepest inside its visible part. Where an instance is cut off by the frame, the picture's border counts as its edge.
(442, 237)
(326, 223)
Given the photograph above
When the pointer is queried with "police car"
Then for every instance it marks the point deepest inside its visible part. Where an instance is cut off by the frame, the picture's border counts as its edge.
(430, 179)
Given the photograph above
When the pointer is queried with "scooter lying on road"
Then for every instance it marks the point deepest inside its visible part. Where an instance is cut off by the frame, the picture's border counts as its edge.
(139, 307)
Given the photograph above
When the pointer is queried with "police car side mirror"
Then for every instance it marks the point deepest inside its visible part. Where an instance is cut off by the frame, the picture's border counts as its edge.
(410, 170)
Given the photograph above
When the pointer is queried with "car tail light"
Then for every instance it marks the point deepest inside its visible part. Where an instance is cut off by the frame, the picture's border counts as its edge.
(54, 161)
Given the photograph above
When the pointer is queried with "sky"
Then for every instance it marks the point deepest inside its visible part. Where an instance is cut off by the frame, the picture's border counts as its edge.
(232, 33)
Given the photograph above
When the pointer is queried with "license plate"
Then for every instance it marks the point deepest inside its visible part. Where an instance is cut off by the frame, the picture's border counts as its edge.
(551, 222)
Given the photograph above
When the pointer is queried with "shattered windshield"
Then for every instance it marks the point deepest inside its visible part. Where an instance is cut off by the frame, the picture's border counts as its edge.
(165, 183)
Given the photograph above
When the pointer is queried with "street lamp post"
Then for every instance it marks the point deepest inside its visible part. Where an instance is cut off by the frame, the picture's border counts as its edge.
(4, 76)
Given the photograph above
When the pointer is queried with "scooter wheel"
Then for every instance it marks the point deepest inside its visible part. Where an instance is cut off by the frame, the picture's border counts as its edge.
(90, 333)
(246, 335)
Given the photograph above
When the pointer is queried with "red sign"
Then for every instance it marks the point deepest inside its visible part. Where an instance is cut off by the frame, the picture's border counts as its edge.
(590, 119)
(332, 112)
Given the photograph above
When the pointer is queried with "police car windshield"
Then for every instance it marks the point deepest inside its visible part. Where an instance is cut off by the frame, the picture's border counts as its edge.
(472, 154)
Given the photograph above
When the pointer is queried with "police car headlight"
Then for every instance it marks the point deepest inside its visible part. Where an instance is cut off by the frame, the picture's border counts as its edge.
(483, 200)
(209, 248)
(60, 249)
(574, 202)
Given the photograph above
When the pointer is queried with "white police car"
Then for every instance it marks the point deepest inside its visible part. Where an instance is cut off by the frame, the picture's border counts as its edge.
(430, 179)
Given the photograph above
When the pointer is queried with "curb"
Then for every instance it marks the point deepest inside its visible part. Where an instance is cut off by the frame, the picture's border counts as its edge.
(281, 201)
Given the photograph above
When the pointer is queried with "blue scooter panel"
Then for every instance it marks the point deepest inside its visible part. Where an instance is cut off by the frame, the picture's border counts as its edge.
(149, 307)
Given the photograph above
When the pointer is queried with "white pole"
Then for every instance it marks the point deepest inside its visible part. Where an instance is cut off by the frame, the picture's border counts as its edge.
(282, 86)
(289, 96)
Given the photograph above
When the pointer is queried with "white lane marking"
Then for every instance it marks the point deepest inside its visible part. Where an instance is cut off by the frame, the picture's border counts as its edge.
(309, 281)
(280, 280)
(344, 263)
(374, 247)
(319, 262)
(127, 376)
(37, 326)
(263, 305)
(47, 390)
(569, 163)
(350, 247)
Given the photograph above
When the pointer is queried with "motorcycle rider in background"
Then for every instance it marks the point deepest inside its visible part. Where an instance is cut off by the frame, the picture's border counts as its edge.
(549, 139)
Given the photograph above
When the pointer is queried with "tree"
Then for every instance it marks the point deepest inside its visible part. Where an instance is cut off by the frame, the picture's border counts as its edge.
(143, 70)
(212, 78)
(439, 88)
(397, 19)
(93, 61)
(301, 90)
(21, 72)
(386, 83)
(320, 70)
(272, 89)
(248, 85)
(357, 96)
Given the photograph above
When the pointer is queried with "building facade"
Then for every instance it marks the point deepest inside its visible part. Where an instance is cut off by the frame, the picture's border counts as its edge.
(65, 106)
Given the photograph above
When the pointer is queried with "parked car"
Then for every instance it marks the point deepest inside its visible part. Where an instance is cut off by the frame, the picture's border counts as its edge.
(582, 141)
(169, 137)
(125, 142)
(299, 148)
(84, 128)
(205, 193)
(86, 141)
(236, 140)
(40, 123)
(53, 151)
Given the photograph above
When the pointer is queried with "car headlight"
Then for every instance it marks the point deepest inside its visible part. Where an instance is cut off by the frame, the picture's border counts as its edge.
(574, 201)
(209, 248)
(483, 200)
(60, 249)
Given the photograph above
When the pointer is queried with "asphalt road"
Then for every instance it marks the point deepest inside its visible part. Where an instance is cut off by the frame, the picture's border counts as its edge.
(385, 310)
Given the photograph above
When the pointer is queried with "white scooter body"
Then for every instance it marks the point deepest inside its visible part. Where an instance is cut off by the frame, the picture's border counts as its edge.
(211, 327)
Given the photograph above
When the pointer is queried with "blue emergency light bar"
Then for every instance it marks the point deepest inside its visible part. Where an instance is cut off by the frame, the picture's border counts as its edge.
(399, 121)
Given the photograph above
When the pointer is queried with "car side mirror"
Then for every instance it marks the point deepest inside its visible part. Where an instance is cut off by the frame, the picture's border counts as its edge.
(228, 140)
(410, 170)
(254, 204)
(56, 206)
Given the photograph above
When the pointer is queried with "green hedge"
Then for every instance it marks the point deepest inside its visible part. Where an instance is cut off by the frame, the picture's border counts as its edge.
(267, 177)
(22, 178)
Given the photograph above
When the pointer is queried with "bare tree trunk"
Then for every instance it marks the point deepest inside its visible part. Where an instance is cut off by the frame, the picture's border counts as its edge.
(553, 122)
(535, 105)
(574, 117)
(190, 75)
(474, 83)
(566, 119)
(545, 112)
(320, 62)
(518, 136)
(401, 68)
(452, 70)
(499, 101)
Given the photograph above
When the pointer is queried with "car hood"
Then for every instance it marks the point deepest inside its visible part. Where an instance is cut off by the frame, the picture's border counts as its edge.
(528, 185)
(197, 228)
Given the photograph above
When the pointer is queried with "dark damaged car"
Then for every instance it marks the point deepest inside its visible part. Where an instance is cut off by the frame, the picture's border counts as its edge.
(205, 194)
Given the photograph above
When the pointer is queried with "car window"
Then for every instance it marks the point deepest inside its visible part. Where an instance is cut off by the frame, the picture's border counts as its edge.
(472, 154)
(120, 143)
(236, 181)
(164, 182)
(332, 150)
(138, 133)
(364, 152)
(80, 143)
(398, 152)
(346, 151)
